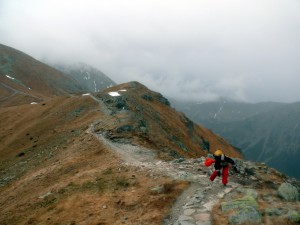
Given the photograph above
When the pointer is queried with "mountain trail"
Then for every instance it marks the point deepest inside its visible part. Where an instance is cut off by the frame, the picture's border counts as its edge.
(194, 205)
(15, 92)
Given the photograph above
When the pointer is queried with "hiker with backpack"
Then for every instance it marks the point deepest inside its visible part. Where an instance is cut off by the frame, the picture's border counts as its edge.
(221, 162)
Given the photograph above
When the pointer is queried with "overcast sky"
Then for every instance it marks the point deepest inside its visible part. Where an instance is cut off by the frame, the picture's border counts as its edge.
(198, 49)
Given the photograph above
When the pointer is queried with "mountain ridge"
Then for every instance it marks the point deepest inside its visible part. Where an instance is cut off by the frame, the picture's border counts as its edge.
(34, 75)
(122, 155)
(265, 132)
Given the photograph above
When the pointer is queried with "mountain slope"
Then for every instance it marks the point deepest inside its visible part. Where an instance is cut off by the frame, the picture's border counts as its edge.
(271, 137)
(104, 158)
(90, 78)
(266, 132)
(23, 78)
(53, 171)
(65, 161)
(223, 111)
(145, 117)
(57, 165)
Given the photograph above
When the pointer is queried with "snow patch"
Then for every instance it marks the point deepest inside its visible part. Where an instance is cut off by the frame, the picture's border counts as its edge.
(12, 78)
(114, 93)
(88, 77)
(95, 86)
(33, 103)
(220, 109)
(87, 94)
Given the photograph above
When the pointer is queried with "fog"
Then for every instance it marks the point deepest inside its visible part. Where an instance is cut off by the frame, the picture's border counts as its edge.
(190, 50)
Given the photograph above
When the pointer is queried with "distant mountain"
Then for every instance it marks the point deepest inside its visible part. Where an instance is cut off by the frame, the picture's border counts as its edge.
(25, 79)
(224, 110)
(89, 77)
(267, 132)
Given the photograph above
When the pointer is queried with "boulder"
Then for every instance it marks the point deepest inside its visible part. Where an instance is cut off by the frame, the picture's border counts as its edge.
(288, 192)
(246, 214)
(251, 193)
(247, 201)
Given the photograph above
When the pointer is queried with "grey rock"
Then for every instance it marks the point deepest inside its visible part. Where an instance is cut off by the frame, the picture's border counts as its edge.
(251, 193)
(180, 160)
(186, 223)
(288, 192)
(240, 203)
(245, 214)
(185, 218)
(189, 212)
(293, 216)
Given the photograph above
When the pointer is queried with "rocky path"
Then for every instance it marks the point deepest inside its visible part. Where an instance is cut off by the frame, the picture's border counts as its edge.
(194, 206)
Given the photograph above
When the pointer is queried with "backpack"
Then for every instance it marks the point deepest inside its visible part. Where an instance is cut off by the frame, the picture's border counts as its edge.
(224, 163)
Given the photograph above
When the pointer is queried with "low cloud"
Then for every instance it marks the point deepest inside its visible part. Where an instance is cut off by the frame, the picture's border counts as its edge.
(200, 50)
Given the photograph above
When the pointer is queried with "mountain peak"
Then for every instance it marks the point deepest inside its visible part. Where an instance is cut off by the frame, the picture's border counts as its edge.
(144, 117)
(92, 79)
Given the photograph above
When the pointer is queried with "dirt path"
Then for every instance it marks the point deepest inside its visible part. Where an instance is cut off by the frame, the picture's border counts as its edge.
(194, 205)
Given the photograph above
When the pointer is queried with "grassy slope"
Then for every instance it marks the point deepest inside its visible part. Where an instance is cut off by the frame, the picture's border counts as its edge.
(85, 179)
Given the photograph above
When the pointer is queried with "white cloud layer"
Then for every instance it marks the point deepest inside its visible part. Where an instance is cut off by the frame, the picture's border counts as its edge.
(246, 50)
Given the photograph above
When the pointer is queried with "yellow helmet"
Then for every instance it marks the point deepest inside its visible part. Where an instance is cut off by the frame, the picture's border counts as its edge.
(218, 153)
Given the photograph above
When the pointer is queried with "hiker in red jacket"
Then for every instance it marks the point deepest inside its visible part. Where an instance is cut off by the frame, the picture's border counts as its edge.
(222, 164)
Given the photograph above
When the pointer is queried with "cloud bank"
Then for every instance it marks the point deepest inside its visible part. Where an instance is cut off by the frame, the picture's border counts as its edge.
(199, 50)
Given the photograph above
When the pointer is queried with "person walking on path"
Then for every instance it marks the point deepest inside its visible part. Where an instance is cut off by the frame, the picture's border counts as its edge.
(222, 163)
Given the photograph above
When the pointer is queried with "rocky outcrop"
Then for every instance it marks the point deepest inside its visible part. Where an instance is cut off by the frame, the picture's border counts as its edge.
(244, 209)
